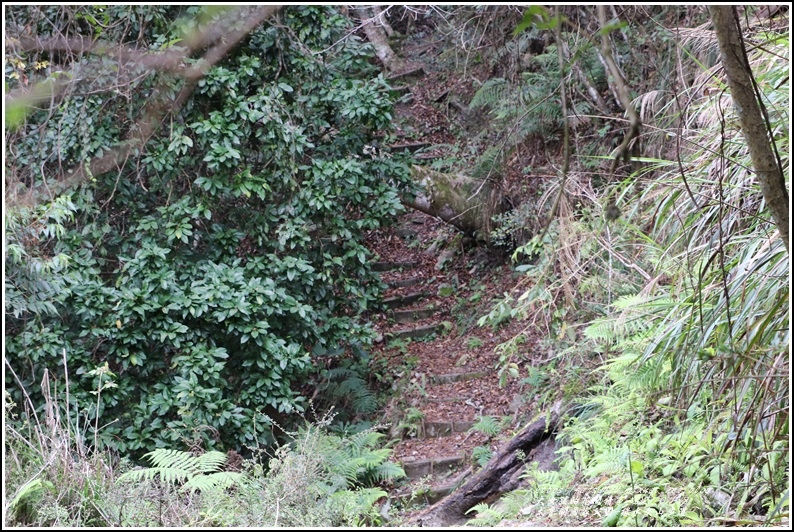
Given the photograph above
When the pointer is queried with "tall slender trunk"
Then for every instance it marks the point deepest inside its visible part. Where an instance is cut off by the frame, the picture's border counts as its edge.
(749, 108)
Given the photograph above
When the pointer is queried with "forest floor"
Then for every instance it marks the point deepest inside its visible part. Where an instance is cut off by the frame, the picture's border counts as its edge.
(450, 377)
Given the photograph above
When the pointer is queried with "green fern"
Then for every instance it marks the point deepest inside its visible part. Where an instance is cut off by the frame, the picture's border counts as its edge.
(194, 473)
(346, 387)
(386, 471)
(632, 324)
(481, 455)
(355, 460)
(494, 91)
(488, 425)
(354, 387)
(349, 503)
(485, 515)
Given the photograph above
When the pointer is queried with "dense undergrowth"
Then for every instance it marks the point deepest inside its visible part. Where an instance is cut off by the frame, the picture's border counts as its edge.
(678, 302)
(662, 289)
(315, 479)
(213, 273)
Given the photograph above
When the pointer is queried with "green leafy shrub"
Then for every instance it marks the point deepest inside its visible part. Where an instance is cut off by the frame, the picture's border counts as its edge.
(207, 267)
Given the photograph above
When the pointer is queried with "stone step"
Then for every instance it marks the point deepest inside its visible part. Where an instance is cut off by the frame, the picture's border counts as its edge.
(401, 90)
(402, 283)
(410, 146)
(411, 73)
(408, 495)
(436, 493)
(401, 301)
(407, 316)
(418, 332)
(431, 466)
(385, 266)
(442, 429)
(457, 377)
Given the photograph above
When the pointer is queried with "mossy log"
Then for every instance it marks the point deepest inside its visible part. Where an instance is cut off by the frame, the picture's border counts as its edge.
(461, 201)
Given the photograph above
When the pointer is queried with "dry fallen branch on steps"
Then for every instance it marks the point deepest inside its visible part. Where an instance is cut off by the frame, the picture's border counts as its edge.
(500, 475)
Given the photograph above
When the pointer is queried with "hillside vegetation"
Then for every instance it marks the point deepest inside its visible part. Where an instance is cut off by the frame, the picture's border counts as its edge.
(196, 199)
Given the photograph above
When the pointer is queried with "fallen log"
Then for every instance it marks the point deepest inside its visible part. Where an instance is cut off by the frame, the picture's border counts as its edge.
(501, 475)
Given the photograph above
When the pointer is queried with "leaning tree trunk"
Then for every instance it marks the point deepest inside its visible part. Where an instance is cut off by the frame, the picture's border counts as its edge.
(381, 14)
(466, 203)
(379, 40)
(747, 98)
(500, 475)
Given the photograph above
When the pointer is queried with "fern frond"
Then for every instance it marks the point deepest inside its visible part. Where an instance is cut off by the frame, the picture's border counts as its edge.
(488, 425)
(359, 442)
(375, 457)
(489, 163)
(172, 459)
(340, 372)
(365, 401)
(492, 92)
(352, 505)
(213, 481)
(175, 467)
(363, 496)
(168, 475)
(387, 471)
(210, 461)
(485, 515)
(348, 384)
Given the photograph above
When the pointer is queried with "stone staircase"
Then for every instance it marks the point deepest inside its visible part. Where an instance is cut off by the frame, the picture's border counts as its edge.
(435, 449)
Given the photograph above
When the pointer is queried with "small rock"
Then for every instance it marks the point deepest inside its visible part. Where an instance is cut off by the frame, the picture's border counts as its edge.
(528, 510)
(384, 510)
(445, 290)
(517, 402)
(444, 258)
(404, 232)
(432, 248)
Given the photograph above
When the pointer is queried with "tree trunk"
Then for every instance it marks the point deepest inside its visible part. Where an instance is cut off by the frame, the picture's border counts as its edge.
(461, 201)
(499, 476)
(751, 117)
(381, 14)
(621, 87)
(377, 37)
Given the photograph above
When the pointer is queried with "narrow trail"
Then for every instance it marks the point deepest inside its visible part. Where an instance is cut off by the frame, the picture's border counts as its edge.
(451, 408)
(444, 365)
